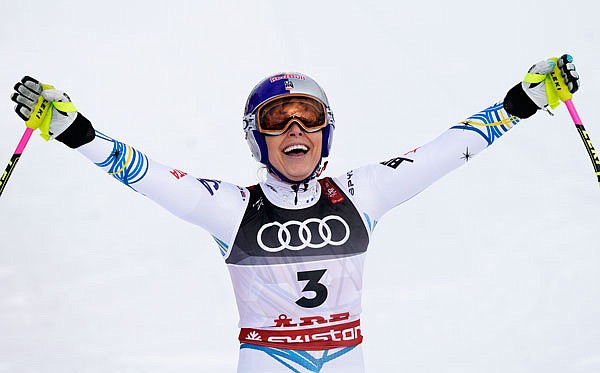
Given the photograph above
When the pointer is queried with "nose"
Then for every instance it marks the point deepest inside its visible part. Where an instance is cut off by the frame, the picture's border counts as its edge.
(295, 129)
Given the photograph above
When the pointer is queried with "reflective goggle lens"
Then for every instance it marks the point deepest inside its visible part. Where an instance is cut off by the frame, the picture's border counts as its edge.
(276, 116)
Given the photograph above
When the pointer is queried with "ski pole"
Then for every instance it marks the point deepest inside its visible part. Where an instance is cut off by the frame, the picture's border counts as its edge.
(15, 158)
(562, 92)
(587, 142)
(35, 120)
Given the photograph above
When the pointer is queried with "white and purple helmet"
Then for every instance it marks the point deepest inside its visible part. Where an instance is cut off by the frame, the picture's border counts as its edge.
(280, 85)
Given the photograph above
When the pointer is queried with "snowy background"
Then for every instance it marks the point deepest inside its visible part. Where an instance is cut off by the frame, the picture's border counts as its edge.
(495, 268)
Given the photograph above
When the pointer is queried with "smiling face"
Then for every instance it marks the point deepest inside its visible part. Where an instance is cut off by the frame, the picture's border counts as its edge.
(295, 153)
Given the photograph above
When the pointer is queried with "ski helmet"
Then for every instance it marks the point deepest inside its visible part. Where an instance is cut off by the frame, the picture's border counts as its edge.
(280, 85)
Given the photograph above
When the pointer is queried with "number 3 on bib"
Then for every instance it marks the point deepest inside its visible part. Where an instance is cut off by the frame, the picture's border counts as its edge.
(313, 285)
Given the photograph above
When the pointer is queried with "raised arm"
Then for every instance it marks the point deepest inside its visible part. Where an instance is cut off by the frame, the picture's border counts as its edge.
(380, 187)
(214, 205)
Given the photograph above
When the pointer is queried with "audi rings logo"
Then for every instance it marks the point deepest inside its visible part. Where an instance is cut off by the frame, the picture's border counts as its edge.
(288, 231)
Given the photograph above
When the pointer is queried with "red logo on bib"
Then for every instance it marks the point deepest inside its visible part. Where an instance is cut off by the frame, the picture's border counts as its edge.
(331, 191)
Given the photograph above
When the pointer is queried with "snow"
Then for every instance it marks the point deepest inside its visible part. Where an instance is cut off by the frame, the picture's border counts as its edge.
(494, 268)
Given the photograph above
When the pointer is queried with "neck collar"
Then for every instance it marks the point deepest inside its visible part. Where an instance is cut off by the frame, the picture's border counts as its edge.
(291, 195)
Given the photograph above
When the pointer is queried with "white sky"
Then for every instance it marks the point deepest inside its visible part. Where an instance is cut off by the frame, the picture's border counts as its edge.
(492, 269)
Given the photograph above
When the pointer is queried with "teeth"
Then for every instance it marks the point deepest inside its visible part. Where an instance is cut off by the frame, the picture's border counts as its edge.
(291, 148)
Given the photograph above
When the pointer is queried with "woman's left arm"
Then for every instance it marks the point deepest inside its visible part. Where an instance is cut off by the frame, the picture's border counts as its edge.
(380, 187)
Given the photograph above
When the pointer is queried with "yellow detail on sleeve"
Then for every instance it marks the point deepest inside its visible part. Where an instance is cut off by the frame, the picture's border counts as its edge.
(127, 161)
(504, 121)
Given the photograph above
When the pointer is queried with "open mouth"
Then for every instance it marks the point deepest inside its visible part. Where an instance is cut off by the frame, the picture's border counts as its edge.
(296, 149)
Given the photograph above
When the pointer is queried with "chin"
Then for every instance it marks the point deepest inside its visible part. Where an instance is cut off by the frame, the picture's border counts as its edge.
(295, 170)
(299, 175)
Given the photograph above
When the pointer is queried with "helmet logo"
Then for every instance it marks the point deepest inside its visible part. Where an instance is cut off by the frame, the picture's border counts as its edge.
(289, 85)
(287, 76)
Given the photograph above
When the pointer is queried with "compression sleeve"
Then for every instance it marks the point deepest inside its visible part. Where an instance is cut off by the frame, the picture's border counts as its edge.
(380, 187)
(211, 204)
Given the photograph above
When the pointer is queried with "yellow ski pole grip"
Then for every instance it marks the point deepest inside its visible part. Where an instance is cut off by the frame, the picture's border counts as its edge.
(40, 111)
(556, 83)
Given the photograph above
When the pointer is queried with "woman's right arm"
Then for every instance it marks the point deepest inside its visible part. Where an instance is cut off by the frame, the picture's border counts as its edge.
(211, 204)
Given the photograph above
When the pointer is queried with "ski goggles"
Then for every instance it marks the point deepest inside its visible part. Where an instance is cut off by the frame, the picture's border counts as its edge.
(276, 116)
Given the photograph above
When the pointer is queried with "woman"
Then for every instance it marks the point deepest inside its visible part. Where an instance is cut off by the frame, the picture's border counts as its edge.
(294, 244)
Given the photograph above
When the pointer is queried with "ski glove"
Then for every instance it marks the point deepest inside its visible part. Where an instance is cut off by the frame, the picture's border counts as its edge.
(52, 112)
(544, 85)
(541, 82)
(43, 107)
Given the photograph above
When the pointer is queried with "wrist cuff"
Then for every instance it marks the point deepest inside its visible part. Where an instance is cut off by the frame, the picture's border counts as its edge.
(80, 132)
(517, 103)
